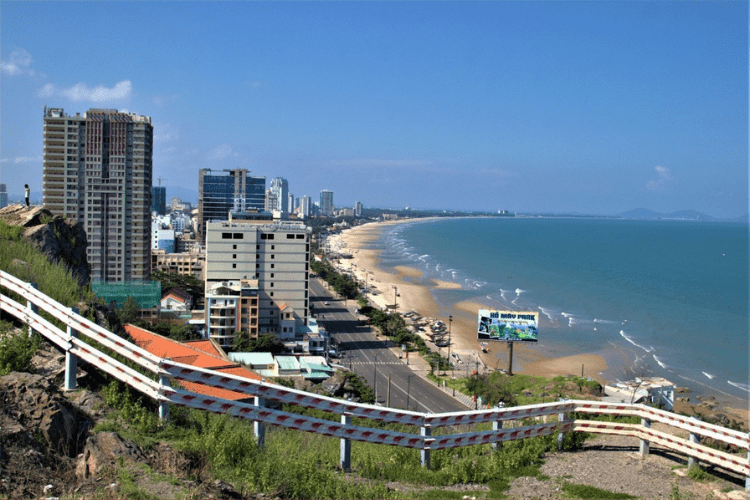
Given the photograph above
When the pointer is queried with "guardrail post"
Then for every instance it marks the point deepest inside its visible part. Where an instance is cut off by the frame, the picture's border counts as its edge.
(497, 425)
(259, 428)
(345, 461)
(646, 423)
(164, 405)
(32, 307)
(561, 418)
(71, 362)
(424, 453)
(694, 438)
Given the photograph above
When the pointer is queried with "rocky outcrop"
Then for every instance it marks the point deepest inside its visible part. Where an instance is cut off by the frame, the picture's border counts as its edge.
(63, 241)
(107, 449)
(35, 409)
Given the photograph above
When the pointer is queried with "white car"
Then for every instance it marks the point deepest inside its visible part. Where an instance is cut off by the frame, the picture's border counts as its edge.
(327, 303)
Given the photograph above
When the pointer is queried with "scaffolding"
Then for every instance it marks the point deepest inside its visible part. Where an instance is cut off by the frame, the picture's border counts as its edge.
(146, 293)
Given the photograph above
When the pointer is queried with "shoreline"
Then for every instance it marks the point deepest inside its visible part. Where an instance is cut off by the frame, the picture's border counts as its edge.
(415, 293)
(412, 291)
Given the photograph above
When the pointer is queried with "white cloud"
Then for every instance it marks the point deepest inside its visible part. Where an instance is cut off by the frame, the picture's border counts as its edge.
(82, 92)
(27, 159)
(663, 175)
(18, 63)
(222, 152)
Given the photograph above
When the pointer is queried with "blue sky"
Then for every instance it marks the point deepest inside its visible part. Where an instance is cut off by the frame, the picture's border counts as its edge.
(590, 107)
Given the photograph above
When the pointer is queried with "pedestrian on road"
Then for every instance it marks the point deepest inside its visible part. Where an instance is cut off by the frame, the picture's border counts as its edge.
(27, 193)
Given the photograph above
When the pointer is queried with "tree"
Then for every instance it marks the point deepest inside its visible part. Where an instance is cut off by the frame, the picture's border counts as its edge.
(130, 311)
(188, 283)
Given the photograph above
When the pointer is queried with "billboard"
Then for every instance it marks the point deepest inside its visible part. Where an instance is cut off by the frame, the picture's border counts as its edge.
(511, 326)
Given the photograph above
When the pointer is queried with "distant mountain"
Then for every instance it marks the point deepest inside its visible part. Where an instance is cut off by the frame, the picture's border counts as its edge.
(643, 213)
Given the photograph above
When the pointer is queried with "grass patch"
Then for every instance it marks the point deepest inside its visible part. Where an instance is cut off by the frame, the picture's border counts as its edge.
(696, 473)
(583, 491)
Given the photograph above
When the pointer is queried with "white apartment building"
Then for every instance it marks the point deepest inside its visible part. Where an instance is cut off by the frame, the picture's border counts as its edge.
(276, 255)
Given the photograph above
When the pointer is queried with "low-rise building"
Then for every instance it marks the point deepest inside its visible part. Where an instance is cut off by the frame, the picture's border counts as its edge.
(657, 391)
(187, 264)
(232, 310)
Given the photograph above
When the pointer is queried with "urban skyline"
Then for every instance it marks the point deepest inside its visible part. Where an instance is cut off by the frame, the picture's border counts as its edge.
(564, 107)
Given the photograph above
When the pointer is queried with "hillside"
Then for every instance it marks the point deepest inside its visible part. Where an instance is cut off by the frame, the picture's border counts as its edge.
(77, 445)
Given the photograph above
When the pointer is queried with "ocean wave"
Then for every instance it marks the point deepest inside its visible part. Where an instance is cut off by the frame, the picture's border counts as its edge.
(571, 319)
(502, 295)
(547, 313)
(660, 362)
(713, 388)
(424, 257)
(711, 377)
(519, 291)
(623, 335)
(744, 387)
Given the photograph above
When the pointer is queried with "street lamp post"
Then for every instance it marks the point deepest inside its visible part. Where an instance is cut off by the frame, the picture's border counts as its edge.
(450, 323)
(395, 297)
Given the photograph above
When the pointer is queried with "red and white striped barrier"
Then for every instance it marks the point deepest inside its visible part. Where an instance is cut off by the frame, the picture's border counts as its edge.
(291, 420)
(691, 425)
(487, 437)
(734, 463)
(281, 394)
(79, 323)
(484, 416)
(81, 349)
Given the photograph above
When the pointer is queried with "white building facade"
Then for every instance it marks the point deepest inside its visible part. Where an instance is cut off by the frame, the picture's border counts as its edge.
(276, 255)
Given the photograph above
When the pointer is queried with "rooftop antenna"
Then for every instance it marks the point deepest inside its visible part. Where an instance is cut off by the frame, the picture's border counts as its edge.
(161, 179)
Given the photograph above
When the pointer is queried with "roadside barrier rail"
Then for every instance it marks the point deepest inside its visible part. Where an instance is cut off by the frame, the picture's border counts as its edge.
(261, 391)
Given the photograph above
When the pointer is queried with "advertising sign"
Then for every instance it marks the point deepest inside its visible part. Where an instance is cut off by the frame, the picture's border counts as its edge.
(511, 326)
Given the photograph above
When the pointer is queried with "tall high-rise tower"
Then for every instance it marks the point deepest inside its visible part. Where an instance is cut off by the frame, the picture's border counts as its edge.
(326, 202)
(98, 169)
(231, 191)
(159, 200)
(280, 188)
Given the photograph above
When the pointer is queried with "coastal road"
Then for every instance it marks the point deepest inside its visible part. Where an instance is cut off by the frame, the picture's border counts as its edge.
(370, 356)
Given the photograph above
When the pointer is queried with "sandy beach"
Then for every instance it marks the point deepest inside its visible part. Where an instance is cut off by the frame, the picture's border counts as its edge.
(410, 292)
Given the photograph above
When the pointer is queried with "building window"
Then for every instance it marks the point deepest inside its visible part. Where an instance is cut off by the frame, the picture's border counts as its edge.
(234, 247)
(272, 256)
(226, 236)
(234, 255)
(234, 266)
(237, 236)
(272, 275)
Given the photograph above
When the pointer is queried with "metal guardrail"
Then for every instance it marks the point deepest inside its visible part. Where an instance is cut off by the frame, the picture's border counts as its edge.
(166, 369)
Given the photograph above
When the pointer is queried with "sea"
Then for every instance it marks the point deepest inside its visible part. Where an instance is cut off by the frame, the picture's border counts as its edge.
(664, 298)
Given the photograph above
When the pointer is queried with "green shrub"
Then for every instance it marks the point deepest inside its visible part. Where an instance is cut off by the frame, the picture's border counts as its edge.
(696, 473)
(16, 349)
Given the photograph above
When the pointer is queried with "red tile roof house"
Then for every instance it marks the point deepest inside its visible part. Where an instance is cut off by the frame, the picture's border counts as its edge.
(198, 353)
(176, 300)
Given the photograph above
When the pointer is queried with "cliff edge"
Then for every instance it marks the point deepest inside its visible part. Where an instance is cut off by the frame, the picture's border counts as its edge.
(61, 240)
